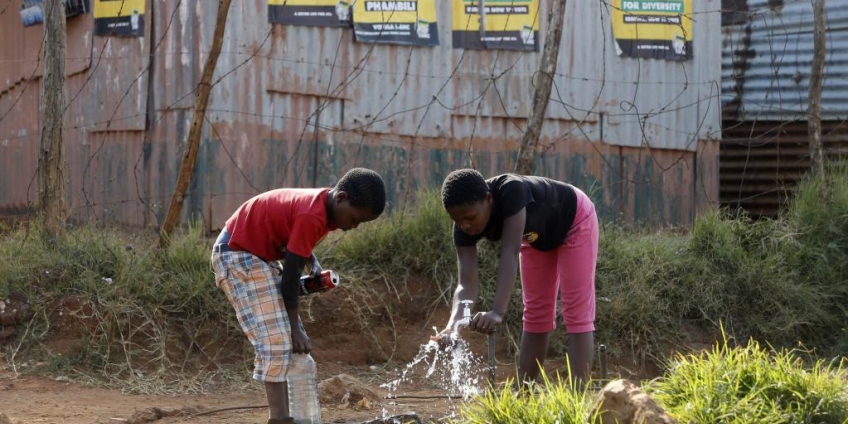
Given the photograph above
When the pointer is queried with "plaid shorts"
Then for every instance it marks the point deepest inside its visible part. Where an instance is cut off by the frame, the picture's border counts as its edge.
(252, 287)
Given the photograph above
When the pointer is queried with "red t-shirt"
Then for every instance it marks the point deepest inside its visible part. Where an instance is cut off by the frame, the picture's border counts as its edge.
(279, 221)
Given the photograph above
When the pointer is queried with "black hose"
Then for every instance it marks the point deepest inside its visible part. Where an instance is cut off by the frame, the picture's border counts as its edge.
(419, 397)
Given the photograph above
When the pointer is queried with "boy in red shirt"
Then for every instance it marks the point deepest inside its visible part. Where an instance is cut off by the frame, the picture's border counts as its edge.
(285, 225)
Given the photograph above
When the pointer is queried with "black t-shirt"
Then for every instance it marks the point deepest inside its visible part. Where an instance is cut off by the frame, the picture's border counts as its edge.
(551, 206)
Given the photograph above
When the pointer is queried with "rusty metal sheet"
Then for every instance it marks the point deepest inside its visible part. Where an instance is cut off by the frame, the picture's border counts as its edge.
(183, 33)
(658, 186)
(707, 176)
(648, 103)
(761, 161)
(19, 140)
(114, 96)
(20, 46)
(766, 61)
(262, 131)
(494, 83)
(393, 100)
(104, 181)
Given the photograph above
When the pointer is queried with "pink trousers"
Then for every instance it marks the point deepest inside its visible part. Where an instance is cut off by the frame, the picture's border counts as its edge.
(568, 270)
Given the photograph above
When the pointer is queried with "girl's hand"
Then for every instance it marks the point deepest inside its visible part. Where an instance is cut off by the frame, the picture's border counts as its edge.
(486, 322)
(445, 339)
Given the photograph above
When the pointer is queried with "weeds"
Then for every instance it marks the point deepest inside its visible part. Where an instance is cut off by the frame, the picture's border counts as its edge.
(137, 310)
(555, 403)
(752, 385)
(781, 280)
(141, 309)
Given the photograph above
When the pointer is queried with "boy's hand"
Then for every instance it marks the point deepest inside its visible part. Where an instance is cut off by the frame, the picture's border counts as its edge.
(314, 266)
(486, 322)
(300, 341)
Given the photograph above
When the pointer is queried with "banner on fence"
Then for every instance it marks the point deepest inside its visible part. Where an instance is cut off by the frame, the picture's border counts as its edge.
(119, 18)
(660, 29)
(507, 24)
(411, 23)
(326, 13)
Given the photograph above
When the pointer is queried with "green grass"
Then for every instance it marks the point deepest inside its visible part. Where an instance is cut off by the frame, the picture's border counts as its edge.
(138, 310)
(752, 385)
(777, 280)
(781, 280)
(728, 384)
(554, 402)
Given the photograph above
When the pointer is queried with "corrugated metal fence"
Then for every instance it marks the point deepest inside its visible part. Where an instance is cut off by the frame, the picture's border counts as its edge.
(297, 106)
(767, 57)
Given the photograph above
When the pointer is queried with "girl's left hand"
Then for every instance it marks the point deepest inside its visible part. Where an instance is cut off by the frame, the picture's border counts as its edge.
(486, 322)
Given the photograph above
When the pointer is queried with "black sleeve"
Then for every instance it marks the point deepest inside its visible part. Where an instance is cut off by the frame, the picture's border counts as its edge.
(291, 279)
(462, 239)
(513, 196)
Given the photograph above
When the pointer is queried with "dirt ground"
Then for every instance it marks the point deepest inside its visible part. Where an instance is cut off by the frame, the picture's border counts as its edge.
(340, 349)
(28, 399)
(40, 400)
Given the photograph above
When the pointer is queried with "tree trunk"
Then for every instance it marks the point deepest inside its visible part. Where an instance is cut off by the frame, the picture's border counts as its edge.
(193, 142)
(542, 81)
(51, 183)
(816, 78)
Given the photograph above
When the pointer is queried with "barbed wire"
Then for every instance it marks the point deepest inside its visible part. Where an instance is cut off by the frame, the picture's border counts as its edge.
(582, 120)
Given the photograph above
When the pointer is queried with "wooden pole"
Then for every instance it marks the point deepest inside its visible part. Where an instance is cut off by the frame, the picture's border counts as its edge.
(816, 77)
(543, 81)
(51, 183)
(193, 142)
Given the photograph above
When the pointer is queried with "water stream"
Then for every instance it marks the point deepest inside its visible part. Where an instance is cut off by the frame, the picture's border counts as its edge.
(455, 370)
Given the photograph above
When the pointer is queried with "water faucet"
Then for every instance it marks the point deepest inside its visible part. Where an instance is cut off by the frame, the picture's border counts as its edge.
(466, 315)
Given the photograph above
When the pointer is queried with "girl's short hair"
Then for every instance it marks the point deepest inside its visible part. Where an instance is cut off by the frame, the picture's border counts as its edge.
(463, 187)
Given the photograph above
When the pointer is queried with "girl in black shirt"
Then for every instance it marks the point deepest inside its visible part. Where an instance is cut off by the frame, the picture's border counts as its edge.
(548, 227)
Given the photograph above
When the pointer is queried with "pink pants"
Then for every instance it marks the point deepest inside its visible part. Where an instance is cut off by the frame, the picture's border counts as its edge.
(569, 269)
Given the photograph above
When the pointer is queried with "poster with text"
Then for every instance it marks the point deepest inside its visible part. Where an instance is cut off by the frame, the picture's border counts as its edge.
(326, 13)
(119, 18)
(507, 24)
(410, 23)
(660, 29)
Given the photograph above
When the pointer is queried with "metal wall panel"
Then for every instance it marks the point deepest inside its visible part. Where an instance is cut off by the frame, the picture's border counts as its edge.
(762, 160)
(766, 62)
(647, 103)
(19, 139)
(297, 106)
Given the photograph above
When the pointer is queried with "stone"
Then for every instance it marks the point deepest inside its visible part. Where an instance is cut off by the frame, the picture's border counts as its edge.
(345, 389)
(407, 418)
(622, 402)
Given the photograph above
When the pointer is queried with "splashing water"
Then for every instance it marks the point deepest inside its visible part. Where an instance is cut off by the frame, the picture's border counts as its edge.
(456, 370)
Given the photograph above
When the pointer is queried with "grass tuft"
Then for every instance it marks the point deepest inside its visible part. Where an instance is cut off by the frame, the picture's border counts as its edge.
(141, 309)
(555, 402)
(752, 385)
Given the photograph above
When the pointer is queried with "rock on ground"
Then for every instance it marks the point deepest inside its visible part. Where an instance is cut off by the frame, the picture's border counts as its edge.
(344, 389)
(408, 418)
(622, 402)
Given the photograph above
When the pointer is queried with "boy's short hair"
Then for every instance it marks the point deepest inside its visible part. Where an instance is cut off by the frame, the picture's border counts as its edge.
(463, 187)
(365, 189)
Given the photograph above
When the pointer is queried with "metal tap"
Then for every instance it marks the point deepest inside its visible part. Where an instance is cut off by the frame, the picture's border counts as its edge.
(466, 315)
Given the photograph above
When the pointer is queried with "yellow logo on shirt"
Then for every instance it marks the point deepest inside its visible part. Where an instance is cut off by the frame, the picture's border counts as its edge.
(530, 237)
